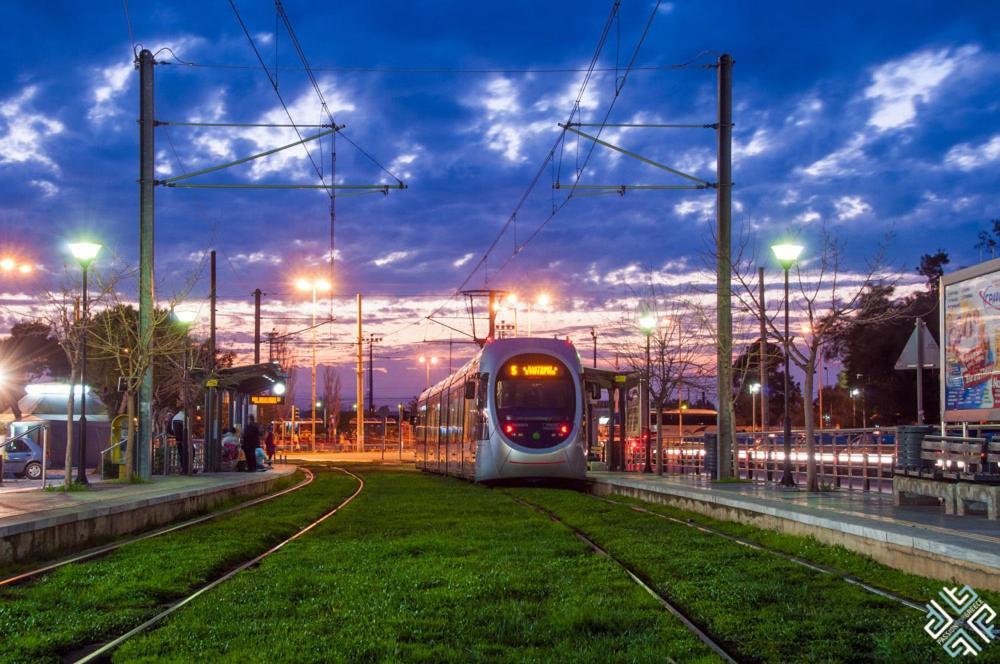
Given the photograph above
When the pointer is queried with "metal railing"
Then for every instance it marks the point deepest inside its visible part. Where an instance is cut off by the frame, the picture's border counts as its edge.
(854, 459)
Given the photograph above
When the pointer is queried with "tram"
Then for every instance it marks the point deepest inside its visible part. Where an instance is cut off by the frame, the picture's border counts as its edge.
(513, 411)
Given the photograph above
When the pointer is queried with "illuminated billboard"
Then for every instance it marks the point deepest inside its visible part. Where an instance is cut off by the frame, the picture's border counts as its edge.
(970, 348)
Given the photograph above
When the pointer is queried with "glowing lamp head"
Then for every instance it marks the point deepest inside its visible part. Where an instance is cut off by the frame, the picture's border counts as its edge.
(185, 316)
(647, 323)
(278, 389)
(544, 300)
(754, 388)
(319, 404)
(7, 264)
(855, 392)
(84, 252)
(511, 299)
(25, 268)
(786, 254)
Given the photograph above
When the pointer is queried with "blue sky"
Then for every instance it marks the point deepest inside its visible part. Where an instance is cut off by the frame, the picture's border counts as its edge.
(865, 118)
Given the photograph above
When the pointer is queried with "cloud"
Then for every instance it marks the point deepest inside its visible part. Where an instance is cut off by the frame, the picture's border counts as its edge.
(23, 132)
(463, 260)
(808, 217)
(400, 166)
(967, 157)
(849, 207)
(258, 257)
(899, 85)
(702, 207)
(759, 143)
(48, 188)
(390, 258)
(112, 82)
(839, 162)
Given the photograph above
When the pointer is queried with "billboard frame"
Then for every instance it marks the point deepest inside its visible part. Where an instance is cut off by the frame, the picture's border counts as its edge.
(957, 277)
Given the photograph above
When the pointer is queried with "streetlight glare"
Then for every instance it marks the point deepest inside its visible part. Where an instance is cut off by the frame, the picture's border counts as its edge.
(544, 300)
(84, 251)
(511, 299)
(786, 253)
(7, 264)
(278, 389)
(647, 323)
(25, 269)
(186, 316)
(754, 388)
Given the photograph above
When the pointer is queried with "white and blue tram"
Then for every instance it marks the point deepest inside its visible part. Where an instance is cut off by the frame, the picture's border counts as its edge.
(515, 410)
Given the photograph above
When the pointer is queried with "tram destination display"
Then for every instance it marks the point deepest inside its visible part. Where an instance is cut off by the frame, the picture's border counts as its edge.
(971, 344)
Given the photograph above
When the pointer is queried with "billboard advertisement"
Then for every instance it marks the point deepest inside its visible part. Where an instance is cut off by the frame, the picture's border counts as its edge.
(971, 346)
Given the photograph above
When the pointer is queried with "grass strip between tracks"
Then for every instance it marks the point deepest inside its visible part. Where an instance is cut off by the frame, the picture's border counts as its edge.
(920, 589)
(759, 606)
(422, 568)
(92, 601)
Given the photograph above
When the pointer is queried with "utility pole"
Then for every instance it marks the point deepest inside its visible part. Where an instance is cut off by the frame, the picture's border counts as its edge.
(372, 340)
(920, 371)
(256, 326)
(593, 336)
(762, 315)
(147, 182)
(272, 336)
(724, 313)
(212, 452)
(360, 387)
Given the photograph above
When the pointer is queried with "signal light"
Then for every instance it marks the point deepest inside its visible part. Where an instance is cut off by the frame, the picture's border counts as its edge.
(564, 429)
(509, 428)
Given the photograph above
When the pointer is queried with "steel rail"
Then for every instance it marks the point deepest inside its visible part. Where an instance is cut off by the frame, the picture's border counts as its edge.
(637, 577)
(110, 646)
(108, 548)
(816, 567)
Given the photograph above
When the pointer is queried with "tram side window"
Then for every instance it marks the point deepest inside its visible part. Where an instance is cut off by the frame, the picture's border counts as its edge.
(421, 446)
(481, 428)
(455, 409)
(434, 419)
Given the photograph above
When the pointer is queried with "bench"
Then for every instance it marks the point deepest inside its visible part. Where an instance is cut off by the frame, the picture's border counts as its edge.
(955, 470)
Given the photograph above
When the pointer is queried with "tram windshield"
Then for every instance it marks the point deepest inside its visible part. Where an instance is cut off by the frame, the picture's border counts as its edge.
(535, 400)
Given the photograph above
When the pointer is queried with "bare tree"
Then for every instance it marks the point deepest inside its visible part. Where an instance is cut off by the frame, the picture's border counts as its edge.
(284, 355)
(826, 297)
(115, 337)
(676, 351)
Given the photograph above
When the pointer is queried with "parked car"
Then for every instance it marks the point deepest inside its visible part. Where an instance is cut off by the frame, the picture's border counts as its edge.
(22, 457)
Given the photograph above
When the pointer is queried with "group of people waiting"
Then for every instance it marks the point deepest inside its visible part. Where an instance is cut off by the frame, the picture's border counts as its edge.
(252, 450)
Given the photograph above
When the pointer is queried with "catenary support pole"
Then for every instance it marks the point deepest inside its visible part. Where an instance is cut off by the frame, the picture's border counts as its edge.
(371, 373)
(360, 387)
(147, 182)
(762, 315)
(212, 452)
(724, 314)
(256, 326)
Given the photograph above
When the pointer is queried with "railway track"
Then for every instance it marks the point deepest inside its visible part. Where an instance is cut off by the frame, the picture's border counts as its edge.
(636, 577)
(823, 569)
(103, 652)
(90, 554)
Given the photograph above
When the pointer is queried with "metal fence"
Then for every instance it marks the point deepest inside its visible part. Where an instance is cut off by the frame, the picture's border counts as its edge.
(855, 459)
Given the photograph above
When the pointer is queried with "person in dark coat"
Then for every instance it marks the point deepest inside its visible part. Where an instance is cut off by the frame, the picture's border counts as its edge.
(250, 443)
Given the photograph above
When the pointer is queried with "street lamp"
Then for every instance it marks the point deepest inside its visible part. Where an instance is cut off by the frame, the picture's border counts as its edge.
(427, 362)
(787, 254)
(754, 391)
(855, 393)
(84, 253)
(314, 285)
(647, 323)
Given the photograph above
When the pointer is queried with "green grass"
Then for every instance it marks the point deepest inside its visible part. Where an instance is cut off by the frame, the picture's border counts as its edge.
(426, 569)
(762, 607)
(920, 589)
(90, 602)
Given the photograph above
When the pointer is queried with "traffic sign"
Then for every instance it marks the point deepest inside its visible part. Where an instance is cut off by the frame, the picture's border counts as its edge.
(908, 358)
(212, 382)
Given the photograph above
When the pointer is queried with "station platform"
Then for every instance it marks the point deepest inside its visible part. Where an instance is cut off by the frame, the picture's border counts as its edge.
(918, 539)
(41, 524)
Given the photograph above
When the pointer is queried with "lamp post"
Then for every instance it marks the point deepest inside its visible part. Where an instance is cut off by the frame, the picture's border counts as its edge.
(84, 253)
(647, 323)
(787, 254)
(314, 285)
(754, 391)
(427, 362)
(854, 407)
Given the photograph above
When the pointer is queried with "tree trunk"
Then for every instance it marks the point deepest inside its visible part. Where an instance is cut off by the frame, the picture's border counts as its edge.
(130, 437)
(812, 482)
(70, 407)
(659, 435)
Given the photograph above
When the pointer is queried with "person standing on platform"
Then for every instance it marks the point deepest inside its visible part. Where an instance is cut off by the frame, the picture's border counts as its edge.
(269, 444)
(250, 442)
